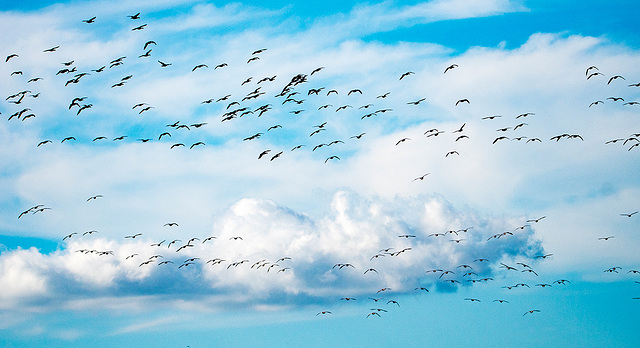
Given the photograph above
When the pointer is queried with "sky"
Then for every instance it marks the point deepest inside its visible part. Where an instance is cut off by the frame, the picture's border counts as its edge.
(285, 173)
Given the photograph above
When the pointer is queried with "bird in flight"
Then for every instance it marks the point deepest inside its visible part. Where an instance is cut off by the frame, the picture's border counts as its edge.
(421, 177)
(402, 140)
(405, 75)
(90, 20)
(331, 157)
(452, 66)
(94, 197)
(615, 78)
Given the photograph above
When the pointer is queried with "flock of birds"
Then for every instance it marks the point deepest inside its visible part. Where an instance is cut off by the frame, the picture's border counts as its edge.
(300, 100)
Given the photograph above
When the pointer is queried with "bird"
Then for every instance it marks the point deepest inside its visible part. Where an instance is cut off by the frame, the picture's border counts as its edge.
(615, 78)
(606, 238)
(417, 101)
(629, 214)
(134, 236)
(263, 153)
(90, 20)
(276, 156)
(536, 220)
(13, 55)
(139, 27)
(135, 16)
(531, 311)
(52, 49)
(44, 142)
(452, 66)
(589, 69)
(421, 177)
(405, 75)
(163, 64)
(67, 139)
(331, 157)
(94, 197)
(464, 100)
(459, 130)
(402, 140)
(69, 235)
(500, 138)
(146, 44)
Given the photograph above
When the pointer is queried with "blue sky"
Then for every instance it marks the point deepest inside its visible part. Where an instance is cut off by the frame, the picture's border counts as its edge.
(289, 223)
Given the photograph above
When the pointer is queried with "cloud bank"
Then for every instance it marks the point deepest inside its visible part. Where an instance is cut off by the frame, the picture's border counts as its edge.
(260, 253)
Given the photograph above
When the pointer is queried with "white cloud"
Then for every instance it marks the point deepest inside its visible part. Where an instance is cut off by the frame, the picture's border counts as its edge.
(288, 255)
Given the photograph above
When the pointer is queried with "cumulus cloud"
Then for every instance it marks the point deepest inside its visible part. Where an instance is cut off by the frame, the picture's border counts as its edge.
(263, 253)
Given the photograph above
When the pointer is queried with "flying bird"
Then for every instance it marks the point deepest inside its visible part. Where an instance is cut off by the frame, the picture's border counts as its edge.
(94, 197)
(417, 101)
(405, 75)
(421, 177)
(452, 66)
(615, 78)
(331, 157)
(402, 140)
